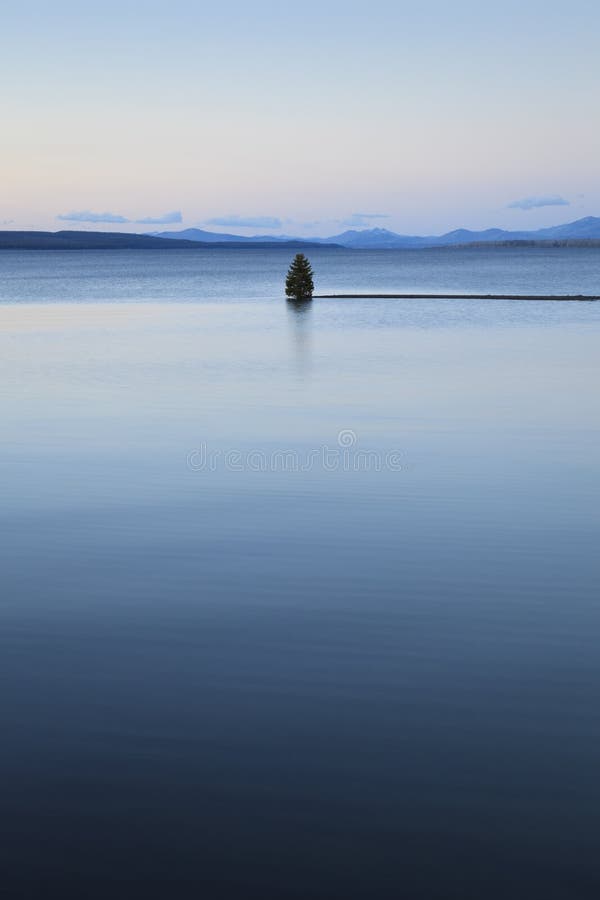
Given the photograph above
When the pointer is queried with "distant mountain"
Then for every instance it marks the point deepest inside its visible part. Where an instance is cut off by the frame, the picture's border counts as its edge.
(583, 230)
(382, 239)
(211, 237)
(464, 236)
(196, 234)
(373, 239)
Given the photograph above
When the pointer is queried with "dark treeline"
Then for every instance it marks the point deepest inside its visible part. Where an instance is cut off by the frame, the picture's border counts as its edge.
(104, 240)
(519, 242)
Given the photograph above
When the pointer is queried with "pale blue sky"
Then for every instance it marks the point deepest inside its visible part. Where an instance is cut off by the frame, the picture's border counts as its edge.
(300, 118)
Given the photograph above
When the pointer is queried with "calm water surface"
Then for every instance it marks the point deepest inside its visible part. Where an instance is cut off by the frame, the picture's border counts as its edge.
(299, 602)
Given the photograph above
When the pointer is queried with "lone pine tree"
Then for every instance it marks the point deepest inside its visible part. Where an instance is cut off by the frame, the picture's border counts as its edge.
(299, 282)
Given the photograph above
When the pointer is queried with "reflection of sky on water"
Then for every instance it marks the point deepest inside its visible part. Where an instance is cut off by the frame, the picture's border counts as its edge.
(229, 650)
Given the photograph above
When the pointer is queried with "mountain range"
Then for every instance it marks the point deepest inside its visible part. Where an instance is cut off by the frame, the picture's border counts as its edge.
(382, 239)
(583, 232)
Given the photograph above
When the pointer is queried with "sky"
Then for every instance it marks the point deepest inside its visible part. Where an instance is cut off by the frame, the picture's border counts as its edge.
(298, 118)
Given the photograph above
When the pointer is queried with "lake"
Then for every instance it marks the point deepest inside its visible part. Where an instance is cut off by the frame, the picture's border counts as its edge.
(299, 601)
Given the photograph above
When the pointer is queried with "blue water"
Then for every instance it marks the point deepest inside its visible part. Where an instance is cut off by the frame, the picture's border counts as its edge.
(252, 274)
(299, 601)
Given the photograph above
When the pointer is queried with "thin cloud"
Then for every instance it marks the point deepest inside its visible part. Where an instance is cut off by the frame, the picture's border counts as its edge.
(362, 219)
(537, 202)
(169, 218)
(87, 215)
(245, 221)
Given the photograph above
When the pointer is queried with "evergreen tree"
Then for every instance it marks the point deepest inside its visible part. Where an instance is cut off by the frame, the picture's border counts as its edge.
(299, 282)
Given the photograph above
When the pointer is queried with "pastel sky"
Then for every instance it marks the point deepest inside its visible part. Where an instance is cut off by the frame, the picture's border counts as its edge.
(299, 118)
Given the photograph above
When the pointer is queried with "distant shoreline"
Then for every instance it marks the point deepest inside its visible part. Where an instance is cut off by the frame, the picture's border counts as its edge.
(118, 240)
(518, 242)
(103, 240)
